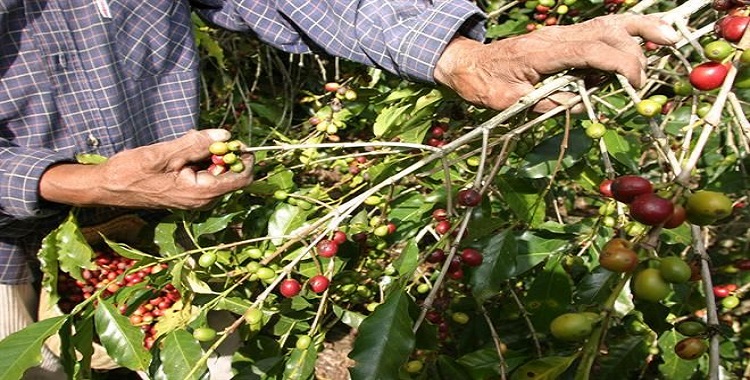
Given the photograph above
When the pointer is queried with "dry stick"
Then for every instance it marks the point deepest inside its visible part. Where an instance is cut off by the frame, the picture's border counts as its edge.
(591, 112)
(496, 340)
(739, 114)
(712, 315)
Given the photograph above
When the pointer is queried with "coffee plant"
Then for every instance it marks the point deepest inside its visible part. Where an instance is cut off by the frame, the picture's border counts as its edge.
(456, 242)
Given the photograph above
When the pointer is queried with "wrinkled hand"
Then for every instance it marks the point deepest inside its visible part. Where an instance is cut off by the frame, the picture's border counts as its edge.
(162, 175)
(498, 74)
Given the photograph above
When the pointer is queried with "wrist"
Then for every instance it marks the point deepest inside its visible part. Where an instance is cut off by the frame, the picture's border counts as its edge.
(70, 184)
(453, 60)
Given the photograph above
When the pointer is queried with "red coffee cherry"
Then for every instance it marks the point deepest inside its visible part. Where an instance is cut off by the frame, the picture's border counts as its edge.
(327, 248)
(318, 283)
(290, 288)
(471, 257)
(626, 188)
(469, 197)
(651, 209)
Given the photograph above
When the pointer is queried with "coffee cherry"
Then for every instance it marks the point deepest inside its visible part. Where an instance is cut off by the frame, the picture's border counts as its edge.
(605, 188)
(675, 270)
(204, 334)
(318, 283)
(471, 257)
(339, 237)
(648, 108)
(650, 286)
(469, 197)
(436, 256)
(731, 27)
(626, 188)
(207, 259)
(440, 214)
(618, 259)
(706, 207)
(327, 248)
(218, 148)
(718, 50)
(571, 327)
(442, 227)
(720, 291)
(651, 209)
(708, 75)
(730, 302)
(679, 215)
(596, 130)
(290, 288)
(690, 348)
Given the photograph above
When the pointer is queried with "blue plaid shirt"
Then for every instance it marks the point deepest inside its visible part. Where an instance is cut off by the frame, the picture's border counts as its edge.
(101, 76)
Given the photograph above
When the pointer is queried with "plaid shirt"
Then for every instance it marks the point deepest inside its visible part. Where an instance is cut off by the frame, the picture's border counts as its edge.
(100, 76)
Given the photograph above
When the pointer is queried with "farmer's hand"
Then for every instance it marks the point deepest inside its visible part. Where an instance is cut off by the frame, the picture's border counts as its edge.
(162, 175)
(496, 75)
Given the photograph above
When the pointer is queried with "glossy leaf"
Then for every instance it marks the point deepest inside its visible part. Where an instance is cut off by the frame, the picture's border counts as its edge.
(50, 267)
(542, 161)
(285, 219)
(180, 354)
(164, 237)
(122, 341)
(499, 264)
(74, 253)
(622, 149)
(549, 295)
(525, 200)
(625, 355)
(384, 341)
(407, 261)
(596, 286)
(548, 368)
(23, 349)
(213, 224)
(301, 363)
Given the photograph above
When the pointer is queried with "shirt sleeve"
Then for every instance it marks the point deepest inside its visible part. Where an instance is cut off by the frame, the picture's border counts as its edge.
(405, 37)
(20, 171)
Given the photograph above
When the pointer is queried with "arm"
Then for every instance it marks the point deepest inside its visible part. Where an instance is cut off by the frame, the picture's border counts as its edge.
(496, 75)
(404, 37)
(156, 176)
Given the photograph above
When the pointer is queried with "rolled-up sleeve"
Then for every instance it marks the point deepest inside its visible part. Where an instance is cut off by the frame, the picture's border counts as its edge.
(405, 37)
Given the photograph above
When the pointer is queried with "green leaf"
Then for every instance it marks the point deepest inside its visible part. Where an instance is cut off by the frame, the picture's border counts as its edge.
(621, 149)
(23, 349)
(285, 219)
(350, 318)
(235, 305)
(90, 159)
(674, 367)
(448, 369)
(485, 362)
(626, 355)
(213, 224)
(180, 354)
(406, 263)
(543, 159)
(596, 286)
(499, 263)
(83, 341)
(125, 250)
(50, 267)
(122, 341)
(74, 253)
(301, 363)
(164, 236)
(549, 368)
(525, 201)
(549, 295)
(384, 341)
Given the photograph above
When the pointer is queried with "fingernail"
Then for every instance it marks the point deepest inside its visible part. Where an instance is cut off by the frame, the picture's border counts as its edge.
(669, 33)
(218, 134)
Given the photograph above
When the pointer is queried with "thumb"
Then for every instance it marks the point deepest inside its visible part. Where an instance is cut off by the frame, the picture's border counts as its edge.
(193, 146)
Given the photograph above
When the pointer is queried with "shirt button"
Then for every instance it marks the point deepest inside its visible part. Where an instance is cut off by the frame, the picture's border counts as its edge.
(92, 141)
(61, 61)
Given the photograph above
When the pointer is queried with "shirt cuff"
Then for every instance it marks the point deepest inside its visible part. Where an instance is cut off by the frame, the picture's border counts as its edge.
(19, 184)
(421, 49)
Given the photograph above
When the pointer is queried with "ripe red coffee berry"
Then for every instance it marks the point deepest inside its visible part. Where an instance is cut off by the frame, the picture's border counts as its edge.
(471, 257)
(318, 283)
(339, 237)
(290, 288)
(436, 256)
(469, 197)
(720, 291)
(731, 28)
(679, 215)
(651, 209)
(440, 214)
(605, 188)
(327, 248)
(626, 188)
(442, 227)
(708, 75)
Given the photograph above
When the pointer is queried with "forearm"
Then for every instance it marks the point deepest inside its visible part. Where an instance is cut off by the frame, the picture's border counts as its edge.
(73, 184)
